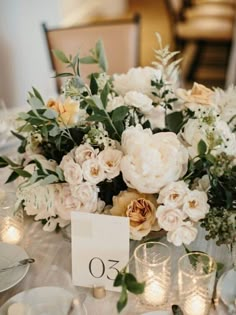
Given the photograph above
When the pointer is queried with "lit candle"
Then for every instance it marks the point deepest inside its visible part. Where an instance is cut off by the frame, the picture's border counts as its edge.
(11, 234)
(195, 304)
(154, 293)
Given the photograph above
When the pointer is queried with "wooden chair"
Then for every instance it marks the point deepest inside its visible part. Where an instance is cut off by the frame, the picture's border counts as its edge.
(120, 38)
(192, 33)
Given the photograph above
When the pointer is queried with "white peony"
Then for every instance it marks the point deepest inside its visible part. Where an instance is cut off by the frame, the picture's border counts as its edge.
(93, 171)
(169, 218)
(114, 103)
(156, 116)
(136, 79)
(151, 161)
(86, 196)
(195, 205)
(173, 194)
(184, 234)
(110, 160)
(138, 100)
(84, 152)
(72, 172)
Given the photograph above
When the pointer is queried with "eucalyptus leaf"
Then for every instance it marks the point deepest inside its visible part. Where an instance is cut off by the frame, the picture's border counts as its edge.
(88, 60)
(49, 180)
(35, 103)
(93, 84)
(60, 55)
(38, 95)
(22, 172)
(119, 113)
(102, 60)
(122, 300)
(104, 94)
(119, 279)
(23, 115)
(13, 176)
(50, 114)
(63, 75)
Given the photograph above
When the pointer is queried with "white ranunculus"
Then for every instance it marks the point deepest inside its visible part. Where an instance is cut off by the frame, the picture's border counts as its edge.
(138, 100)
(195, 205)
(93, 171)
(84, 152)
(156, 116)
(136, 79)
(169, 218)
(151, 161)
(65, 202)
(72, 173)
(173, 194)
(110, 160)
(86, 196)
(184, 234)
(114, 103)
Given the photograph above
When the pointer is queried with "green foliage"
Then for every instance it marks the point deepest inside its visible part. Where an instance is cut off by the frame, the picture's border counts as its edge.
(127, 282)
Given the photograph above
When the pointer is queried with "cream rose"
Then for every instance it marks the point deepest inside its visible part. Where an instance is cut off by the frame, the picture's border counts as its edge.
(84, 152)
(110, 160)
(173, 194)
(139, 208)
(136, 79)
(72, 172)
(148, 163)
(184, 234)
(86, 196)
(195, 205)
(138, 100)
(93, 171)
(65, 202)
(169, 218)
(199, 94)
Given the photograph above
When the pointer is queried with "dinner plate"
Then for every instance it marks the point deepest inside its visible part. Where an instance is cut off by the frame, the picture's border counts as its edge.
(158, 313)
(226, 288)
(42, 300)
(10, 254)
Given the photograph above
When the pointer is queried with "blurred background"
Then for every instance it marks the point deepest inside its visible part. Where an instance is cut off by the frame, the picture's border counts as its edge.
(203, 30)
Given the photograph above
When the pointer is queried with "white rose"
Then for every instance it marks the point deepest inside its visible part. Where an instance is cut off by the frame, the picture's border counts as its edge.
(114, 103)
(93, 171)
(138, 100)
(86, 196)
(195, 205)
(173, 194)
(67, 159)
(84, 152)
(148, 163)
(73, 173)
(169, 218)
(110, 160)
(65, 202)
(184, 234)
(136, 79)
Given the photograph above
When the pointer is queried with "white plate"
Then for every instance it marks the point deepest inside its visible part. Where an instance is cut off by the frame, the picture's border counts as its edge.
(9, 255)
(226, 287)
(42, 300)
(158, 313)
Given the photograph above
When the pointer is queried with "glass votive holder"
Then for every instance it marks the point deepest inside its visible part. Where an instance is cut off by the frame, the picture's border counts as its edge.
(196, 279)
(152, 265)
(11, 219)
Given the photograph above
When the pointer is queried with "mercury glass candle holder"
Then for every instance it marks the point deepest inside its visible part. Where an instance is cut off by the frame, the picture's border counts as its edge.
(11, 220)
(152, 264)
(196, 279)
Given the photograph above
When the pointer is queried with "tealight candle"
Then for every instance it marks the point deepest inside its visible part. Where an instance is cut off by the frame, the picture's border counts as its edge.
(11, 234)
(154, 293)
(195, 305)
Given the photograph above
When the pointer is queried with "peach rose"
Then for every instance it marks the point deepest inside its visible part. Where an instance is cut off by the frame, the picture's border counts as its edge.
(141, 210)
(68, 110)
(199, 94)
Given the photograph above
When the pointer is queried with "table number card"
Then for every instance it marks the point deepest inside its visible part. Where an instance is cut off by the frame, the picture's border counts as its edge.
(100, 248)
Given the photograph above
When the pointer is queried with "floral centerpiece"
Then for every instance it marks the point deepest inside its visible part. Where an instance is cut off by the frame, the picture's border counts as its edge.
(133, 145)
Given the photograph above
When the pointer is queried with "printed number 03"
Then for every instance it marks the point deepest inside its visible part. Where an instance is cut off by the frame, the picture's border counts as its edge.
(98, 264)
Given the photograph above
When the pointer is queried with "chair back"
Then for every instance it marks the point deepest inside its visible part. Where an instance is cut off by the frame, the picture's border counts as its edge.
(120, 38)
